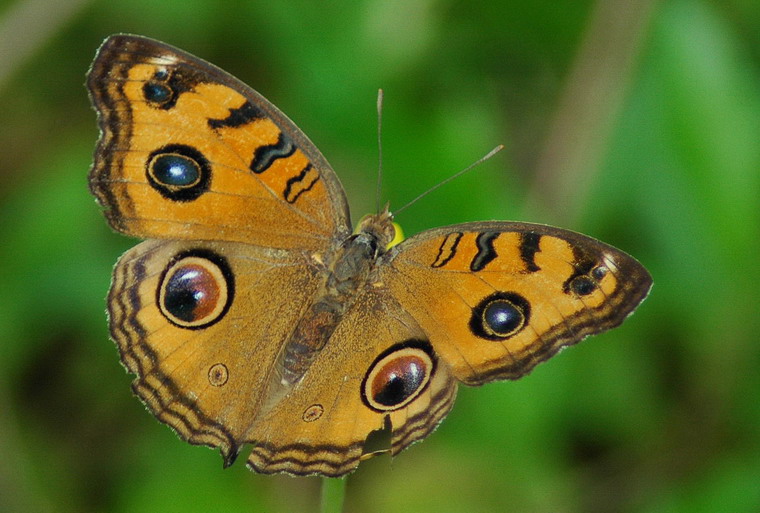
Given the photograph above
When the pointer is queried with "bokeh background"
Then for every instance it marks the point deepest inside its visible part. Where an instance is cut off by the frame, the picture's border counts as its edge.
(635, 121)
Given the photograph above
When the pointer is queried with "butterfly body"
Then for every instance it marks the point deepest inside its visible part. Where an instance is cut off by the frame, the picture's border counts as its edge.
(350, 269)
(253, 315)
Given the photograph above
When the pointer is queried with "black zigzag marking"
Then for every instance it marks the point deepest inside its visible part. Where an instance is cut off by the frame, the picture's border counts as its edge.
(265, 155)
(486, 252)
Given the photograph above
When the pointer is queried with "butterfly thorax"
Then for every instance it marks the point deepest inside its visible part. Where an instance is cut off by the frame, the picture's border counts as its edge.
(348, 271)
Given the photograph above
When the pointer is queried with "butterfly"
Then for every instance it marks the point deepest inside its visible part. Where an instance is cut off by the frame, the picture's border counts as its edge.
(254, 315)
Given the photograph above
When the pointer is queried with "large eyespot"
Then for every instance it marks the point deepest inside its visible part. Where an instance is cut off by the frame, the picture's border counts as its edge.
(500, 316)
(196, 289)
(179, 172)
(398, 375)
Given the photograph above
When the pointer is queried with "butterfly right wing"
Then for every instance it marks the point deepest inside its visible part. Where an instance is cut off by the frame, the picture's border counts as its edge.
(497, 298)
(377, 386)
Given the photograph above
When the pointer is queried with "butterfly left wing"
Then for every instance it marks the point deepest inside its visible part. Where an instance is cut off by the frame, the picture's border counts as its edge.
(200, 325)
(497, 298)
(187, 151)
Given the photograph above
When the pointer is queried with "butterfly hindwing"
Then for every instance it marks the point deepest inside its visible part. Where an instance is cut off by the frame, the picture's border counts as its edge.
(200, 324)
(378, 376)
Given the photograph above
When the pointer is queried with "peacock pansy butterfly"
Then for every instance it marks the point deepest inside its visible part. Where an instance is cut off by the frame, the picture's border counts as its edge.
(253, 314)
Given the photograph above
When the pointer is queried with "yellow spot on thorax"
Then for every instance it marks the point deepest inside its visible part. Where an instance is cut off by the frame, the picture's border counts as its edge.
(398, 236)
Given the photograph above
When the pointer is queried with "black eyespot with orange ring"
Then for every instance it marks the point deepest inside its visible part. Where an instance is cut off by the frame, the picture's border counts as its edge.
(398, 376)
(196, 289)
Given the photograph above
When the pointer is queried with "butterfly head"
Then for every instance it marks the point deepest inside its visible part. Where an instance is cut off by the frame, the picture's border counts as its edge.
(380, 228)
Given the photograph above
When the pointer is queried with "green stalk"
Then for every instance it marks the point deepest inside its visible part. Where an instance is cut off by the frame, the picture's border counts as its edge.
(333, 494)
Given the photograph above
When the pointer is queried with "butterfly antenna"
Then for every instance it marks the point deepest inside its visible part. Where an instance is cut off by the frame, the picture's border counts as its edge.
(378, 192)
(452, 177)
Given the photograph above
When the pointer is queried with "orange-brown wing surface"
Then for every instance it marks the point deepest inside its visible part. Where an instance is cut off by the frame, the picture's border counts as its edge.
(497, 298)
(189, 152)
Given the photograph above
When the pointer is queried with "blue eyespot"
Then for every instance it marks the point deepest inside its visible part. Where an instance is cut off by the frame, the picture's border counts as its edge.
(178, 172)
(500, 316)
(175, 170)
(155, 92)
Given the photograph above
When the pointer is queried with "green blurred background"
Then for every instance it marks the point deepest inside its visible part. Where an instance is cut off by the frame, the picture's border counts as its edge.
(635, 121)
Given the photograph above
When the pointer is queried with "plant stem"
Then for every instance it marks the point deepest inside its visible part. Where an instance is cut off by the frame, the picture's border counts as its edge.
(333, 493)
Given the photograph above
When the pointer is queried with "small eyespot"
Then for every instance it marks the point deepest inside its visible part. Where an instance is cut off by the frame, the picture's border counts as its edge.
(398, 376)
(500, 316)
(313, 413)
(583, 285)
(158, 93)
(196, 290)
(599, 272)
(218, 375)
(178, 172)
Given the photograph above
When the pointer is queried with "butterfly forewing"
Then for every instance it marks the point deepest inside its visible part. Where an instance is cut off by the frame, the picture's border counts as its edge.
(189, 152)
(497, 298)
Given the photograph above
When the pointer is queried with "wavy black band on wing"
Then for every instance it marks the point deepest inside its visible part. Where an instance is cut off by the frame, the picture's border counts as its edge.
(448, 249)
(529, 246)
(486, 252)
(265, 155)
(300, 183)
(240, 116)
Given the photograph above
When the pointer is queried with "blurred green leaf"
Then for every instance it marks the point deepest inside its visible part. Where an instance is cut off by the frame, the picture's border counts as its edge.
(660, 415)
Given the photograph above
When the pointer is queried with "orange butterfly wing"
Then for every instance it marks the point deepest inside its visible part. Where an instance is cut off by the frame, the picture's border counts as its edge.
(497, 298)
(189, 152)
